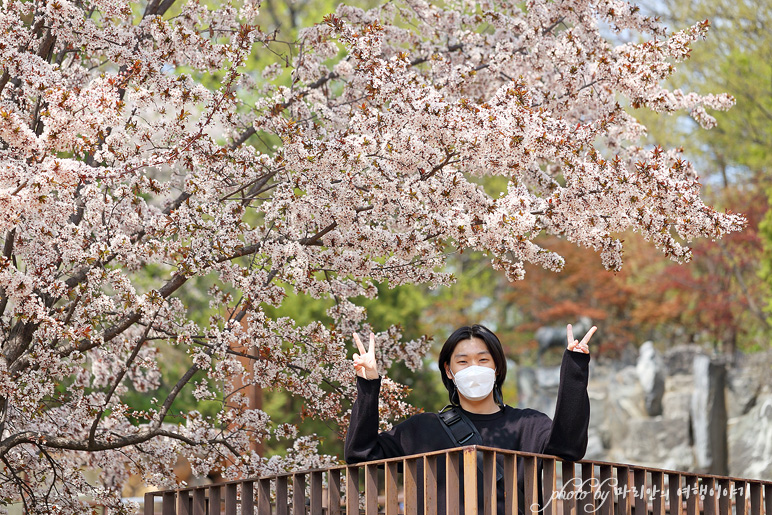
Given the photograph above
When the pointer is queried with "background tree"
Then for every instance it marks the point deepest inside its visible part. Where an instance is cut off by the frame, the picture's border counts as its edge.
(117, 159)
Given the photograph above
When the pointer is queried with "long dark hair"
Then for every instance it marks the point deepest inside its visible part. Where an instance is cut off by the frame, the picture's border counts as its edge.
(494, 347)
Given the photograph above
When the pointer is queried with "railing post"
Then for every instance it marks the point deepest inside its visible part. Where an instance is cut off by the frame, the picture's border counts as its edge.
(606, 491)
(510, 484)
(624, 500)
(741, 498)
(391, 489)
(316, 492)
(214, 499)
(489, 482)
(639, 482)
(231, 498)
(709, 504)
(693, 497)
(587, 503)
(411, 481)
(371, 490)
(264, 497)
(282, 495)
(333, 492)
(430, 485)
(657, 492)
(167, 506)
(549, 485)
(183, 502)
(352, 490)
(674, 494)
(247, 498)
(298, 494)
(568, 489)
(452, 479)
(531, 497)
(724, 497)
(199, 501)
(756, 499)
(149, 504)
(768, 499)
(470, 481)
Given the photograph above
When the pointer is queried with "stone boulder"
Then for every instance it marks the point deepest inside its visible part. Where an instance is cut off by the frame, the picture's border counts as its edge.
(651, 374)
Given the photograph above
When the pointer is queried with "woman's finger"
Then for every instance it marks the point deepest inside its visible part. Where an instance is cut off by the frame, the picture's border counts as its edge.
(589, 334)
(359, 344)
(372, 344)
(570, 334)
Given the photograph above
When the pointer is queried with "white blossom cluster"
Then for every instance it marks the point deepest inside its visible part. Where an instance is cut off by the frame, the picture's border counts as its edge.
(124, 176)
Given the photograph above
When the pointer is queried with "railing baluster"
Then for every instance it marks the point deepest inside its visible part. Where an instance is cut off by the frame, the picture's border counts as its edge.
(756, 499)
(606, 489)
(724, 499)
(489, 482)
(264, 497)
(639, 484)
(531, 497)
(167, 506)
(587, 499)
(410, 480)
(709, 504)
(452, 482)
(214, 500)
(768, 499)
(231, 498)
(333, 492)
(625, 498)
(693, 497)
(674, 494)
(149, 504)
(741, 498)
(371, 490)
(510, 484)
(549, 485)
(199, 501)
(298, 494)
(391, 489)
(352, 490)
(657, 492)
(183, 502)
(247, 498)
(282, 495)
(316, 492)
(568, 490)
(470, 481)
(430, 485)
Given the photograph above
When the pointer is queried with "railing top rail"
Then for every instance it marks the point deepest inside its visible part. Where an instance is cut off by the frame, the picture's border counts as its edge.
(459, 450)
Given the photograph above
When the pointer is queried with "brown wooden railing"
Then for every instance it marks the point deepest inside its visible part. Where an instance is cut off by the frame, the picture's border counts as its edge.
(409, 485)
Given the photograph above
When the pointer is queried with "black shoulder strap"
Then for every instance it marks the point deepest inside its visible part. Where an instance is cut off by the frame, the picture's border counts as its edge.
(462, 431)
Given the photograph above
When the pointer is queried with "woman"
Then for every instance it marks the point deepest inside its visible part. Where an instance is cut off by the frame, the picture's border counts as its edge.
(473, 369)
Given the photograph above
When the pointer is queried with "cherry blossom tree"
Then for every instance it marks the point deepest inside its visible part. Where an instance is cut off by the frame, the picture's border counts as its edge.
(125, 181)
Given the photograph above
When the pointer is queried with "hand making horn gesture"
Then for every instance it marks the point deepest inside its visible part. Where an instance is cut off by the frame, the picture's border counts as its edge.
(576, 345)
(364, 362)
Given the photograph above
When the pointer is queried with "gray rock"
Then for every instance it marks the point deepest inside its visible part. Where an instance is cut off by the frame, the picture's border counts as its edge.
(708, 415)
(750, 441)
(651, 374)
(680, 359)
(657, 442)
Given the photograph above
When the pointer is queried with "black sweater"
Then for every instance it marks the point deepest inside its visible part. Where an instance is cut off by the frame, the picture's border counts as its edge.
(511, 428)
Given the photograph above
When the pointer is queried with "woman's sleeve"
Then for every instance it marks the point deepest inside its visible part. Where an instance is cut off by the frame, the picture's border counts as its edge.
(363, 441)
(568, 433)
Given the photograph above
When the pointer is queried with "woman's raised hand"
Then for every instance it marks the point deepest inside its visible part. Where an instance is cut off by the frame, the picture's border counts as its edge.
(364, 362)
(576, 345)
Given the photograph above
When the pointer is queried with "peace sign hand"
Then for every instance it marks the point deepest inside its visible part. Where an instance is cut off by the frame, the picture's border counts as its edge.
(364, 362)
(576, 345)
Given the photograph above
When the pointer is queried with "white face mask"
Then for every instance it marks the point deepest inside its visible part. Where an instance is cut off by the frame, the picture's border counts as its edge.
(475, 383)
